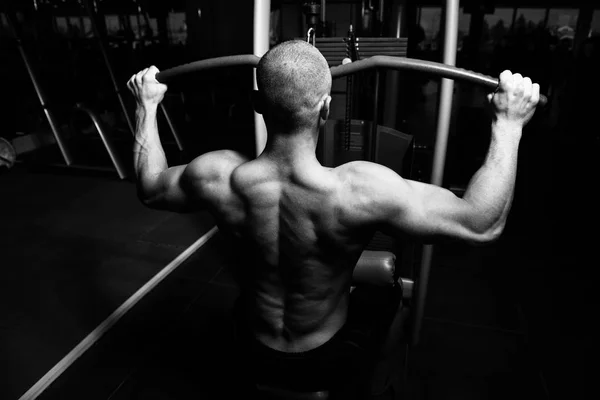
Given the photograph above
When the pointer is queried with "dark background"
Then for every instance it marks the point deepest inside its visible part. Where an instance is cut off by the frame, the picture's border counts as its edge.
(547, 258)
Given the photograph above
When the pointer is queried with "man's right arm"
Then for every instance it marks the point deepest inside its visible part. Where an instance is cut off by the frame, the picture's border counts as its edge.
(399, 206)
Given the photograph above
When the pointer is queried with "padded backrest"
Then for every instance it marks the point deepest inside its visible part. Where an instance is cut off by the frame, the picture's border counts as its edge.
(375, 268)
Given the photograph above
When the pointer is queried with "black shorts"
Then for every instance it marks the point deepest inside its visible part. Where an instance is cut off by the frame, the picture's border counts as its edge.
(342, 365)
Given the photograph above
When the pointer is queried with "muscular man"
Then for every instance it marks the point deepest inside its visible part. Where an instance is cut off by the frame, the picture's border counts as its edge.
(303, 226)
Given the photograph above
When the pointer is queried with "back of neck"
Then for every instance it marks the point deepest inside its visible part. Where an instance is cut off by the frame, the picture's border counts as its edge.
(292, 148)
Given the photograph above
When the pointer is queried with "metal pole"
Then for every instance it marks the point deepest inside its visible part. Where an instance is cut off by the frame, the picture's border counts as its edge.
(373, 142)
(92, 15)
(62, 145)
(171, 126)
(380, 17)
(392, 78)
(262, 14)
(439, 156)
(582, 30)
(105, 140)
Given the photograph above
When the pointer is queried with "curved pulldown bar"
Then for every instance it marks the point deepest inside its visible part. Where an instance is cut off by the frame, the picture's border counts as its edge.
(398, 63)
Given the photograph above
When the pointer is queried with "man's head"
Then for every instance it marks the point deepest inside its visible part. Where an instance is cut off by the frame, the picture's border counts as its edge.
(294, 82)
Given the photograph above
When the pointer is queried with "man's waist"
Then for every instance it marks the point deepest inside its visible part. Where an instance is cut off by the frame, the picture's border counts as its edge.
(294, 336)
(287, 341)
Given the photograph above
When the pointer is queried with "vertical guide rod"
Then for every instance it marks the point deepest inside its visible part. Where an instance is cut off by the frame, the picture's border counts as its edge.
(372, 143)
(262, 15)
(439, 155)
(100, 39)
(12, 24)
(171, 126)
(105, 140)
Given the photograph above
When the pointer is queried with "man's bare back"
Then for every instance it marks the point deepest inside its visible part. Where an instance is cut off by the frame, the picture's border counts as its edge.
(301, 227)
(304, 245)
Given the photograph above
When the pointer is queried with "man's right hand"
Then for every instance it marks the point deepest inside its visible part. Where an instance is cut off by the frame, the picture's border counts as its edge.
(515, 100)
(145, 88)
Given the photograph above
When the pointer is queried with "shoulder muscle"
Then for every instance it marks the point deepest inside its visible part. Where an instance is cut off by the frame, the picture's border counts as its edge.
(379, 196)
(209, 175)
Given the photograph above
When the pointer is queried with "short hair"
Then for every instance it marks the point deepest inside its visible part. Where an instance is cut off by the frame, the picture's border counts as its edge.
(292, 77)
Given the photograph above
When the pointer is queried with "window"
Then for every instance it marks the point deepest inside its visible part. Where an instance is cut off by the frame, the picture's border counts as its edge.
(87, 27)
(528, 19)
(72, 26)
(139, 25)
(135, 26)
(464, 21)
(62, 25)
(495, 28)
(113, 25)
(154, 25)
(177, 28)
(562, 22)
(430, 22)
